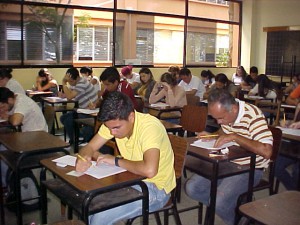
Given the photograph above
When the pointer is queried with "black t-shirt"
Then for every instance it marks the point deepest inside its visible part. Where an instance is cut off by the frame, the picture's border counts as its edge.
(250, 81)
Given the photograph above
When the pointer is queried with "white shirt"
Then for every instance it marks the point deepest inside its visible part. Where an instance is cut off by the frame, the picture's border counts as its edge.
(135, 78)
(15, 86)
(195, 84)
(271, 93)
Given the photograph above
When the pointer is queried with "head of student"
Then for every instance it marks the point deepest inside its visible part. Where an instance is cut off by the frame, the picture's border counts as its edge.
(6, 99)
(185, 75)
(254, 72)
(222, 106)
(207, 75)
(221, 81)
(5, 75)
(73, 76)
(127, 71)
(110, 78)
(169, 79)
(86, 71)
(145, 75)
(44, 75)
(117, 114)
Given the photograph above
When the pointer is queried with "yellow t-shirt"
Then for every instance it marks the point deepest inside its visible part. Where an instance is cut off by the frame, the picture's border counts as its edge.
(148, 132)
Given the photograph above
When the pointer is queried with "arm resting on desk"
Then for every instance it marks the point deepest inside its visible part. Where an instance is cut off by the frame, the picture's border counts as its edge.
(16, 119)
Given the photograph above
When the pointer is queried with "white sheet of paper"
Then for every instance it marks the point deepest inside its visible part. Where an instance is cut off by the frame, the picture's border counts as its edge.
(88, 111)
(290, 131)
(57, 98)
(100, 171)
(75, 173)
(2, 120)
(159, 104)
(209, 144)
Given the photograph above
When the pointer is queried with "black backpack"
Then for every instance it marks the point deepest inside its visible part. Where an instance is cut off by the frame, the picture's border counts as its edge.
(29, 190)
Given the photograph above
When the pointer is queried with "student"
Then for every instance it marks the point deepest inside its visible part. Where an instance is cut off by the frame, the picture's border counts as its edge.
(147, 84)
(20, 110)
(169, 90)
(191, 84)
(87, 72)
(222, 82)
(145, 149)
(208, 78)
(251, 79)
(78, 89)
(264, 88)
(110, 78)
(174, 70)
(293, 85)
(45, 82)
(239, 76)
(131, 77)
(244, 124)
(6, 80)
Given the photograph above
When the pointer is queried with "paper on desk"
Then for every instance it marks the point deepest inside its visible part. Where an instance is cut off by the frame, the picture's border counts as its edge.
(2, 120)
(88, 111)
(290, 131)
(98, 171)
(209, 144)
(56, 98)
(159, 104)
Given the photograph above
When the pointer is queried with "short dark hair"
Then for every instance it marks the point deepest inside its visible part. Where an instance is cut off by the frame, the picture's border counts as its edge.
(253, 69)
(86, 69)
(110, 74)
(42, 72)
(221, 77)
(168, 78)
(221, 96)
(185, 72)
(5, 94)
(74, 74)
(115, 105)
(6, 73)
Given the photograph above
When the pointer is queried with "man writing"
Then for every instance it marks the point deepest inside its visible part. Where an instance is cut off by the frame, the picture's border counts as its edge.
(244, 124)
(145, 149)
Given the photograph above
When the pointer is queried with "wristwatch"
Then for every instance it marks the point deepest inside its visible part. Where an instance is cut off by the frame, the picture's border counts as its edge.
(117, 158)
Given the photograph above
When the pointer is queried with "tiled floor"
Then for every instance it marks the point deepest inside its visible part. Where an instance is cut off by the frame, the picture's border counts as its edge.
(187, 218)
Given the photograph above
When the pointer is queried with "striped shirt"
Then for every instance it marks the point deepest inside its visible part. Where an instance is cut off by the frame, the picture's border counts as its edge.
(86, 93)
(251, 123)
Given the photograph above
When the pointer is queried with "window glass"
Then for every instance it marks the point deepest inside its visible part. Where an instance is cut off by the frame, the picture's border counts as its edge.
(10, 34)
(214, 9)
(157, 6)
(90, 3)
(212, 44)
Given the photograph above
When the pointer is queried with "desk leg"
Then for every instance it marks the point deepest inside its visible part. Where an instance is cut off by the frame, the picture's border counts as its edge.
(251, 178)
(145, 211)
(18, 196)
(44, 206)
(1, 196)
(76, 136)
(213, 196)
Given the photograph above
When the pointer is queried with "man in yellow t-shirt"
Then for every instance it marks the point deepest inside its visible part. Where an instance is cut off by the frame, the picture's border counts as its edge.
(145, 149)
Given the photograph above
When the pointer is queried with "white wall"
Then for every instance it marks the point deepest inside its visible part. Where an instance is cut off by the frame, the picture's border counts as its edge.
(264, 13)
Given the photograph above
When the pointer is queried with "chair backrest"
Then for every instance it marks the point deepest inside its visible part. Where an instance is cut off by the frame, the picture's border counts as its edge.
(274, 108)
(180, 147)
(277, 135)
(192, 99)
(193, 118)
(49, 115)
(140, 104)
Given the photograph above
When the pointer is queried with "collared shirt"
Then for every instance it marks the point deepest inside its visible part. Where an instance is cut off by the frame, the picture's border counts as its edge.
(195, 84)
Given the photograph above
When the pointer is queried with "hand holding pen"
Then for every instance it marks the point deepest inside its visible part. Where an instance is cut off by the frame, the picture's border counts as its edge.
(83, 163)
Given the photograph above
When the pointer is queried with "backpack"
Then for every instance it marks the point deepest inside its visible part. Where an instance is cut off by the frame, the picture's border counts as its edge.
(29, 190)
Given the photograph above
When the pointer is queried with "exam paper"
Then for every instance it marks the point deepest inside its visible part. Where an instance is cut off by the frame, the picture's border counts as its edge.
(98, 171)
(88, 111)
(290, 131)
(209, 144)
(159, 104)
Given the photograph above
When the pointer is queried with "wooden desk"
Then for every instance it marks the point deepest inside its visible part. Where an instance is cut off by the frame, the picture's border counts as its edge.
(5, 126)
(162, 110)
(282, 208)
(88, 195)
(214, 168)
(25, 150)
(31, 93)
(171, 127)
(57, 100)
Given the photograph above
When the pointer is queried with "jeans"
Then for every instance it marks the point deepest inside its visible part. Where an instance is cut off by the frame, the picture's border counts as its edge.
(228, 191)
(4, 168)
(157, 199)
(289, 180)
(67, 120)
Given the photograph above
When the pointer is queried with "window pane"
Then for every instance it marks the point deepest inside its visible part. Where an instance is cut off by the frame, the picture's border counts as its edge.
(157, 6)
(10, 35)
(212, 44)
(149, 40)
(49, 35)
(92, 3)
(215, 9)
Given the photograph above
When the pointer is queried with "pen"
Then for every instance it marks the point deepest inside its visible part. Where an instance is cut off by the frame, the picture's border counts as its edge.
(80, 157)
(284, 118)
(209, 136)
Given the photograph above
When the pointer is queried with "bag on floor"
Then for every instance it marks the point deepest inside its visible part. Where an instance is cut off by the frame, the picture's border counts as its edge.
(29, 190)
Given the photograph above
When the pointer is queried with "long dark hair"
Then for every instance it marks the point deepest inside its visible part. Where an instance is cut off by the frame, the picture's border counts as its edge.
(265, 85)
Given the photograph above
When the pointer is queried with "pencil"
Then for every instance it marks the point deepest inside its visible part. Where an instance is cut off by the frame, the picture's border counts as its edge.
(209, 136)
(284, 118)
(80, 157)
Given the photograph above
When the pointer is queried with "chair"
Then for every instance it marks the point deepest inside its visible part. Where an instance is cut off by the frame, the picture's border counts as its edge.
(179, 146)
(49, 115)
(267, 183)
(192, 99)
(193, 119)
(273, 108)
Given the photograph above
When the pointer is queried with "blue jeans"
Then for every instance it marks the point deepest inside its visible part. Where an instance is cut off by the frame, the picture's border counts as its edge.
(157, 199)
(289, 180)
(67, 120)
(228, 191)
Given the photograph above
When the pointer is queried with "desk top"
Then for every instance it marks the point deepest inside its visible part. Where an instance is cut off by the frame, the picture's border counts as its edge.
(282, 208)
(57, 100)
(163, 109)
(31, 141)
(86, 183)
(31, 93)
(170, 126)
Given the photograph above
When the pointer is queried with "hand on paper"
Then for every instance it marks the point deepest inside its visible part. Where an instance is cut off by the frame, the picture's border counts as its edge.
(223, 139)
(106, 158)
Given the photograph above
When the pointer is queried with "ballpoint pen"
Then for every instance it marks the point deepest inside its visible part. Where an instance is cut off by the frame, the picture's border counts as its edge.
(208, 136)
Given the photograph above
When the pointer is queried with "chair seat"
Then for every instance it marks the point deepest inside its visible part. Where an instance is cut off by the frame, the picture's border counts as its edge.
(75, 199)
